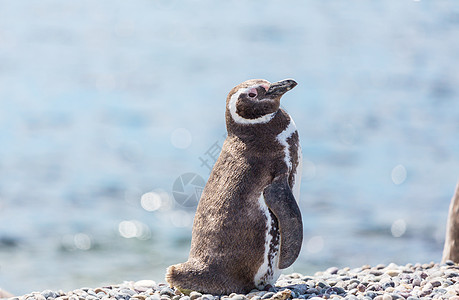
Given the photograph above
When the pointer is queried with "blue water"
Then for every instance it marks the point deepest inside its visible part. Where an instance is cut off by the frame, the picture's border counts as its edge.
(103, 102)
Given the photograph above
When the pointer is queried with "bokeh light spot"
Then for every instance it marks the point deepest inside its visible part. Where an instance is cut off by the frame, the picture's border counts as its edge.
(309, 170)
(398, 174)
(82, 241)
(180, 218)
(398, 228)
(181, 138)
(150, 201)
(134, 229)
(315, 244)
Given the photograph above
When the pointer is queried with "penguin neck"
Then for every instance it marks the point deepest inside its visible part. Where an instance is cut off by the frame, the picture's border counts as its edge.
(260, 135)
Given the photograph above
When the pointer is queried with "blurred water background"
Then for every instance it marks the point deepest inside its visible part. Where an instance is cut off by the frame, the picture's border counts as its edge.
(104, 104)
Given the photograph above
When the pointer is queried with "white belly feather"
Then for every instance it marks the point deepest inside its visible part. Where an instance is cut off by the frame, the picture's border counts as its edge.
(297, 176)
(269, 271)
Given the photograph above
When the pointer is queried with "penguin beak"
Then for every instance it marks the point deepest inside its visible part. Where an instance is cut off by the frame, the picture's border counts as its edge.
(281, 87)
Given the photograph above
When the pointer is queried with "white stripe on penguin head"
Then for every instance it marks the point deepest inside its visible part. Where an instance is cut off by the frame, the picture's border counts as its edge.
(241, 120)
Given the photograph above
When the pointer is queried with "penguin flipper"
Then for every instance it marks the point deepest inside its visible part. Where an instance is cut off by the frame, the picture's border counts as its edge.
(280, 200)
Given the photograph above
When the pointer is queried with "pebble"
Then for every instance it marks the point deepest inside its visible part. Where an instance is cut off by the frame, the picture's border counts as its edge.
(436, 283)
(332, 270)
(391, 282)
(167, 291)
(393, 273)
(49, 294)
(195, 295)
(282, 295)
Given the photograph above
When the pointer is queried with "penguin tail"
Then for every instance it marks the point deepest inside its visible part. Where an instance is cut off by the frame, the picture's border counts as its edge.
(195, 276)
(174, 275)
(183, 276)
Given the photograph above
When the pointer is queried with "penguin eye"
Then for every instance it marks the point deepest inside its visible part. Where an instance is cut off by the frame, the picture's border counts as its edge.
(252, 92)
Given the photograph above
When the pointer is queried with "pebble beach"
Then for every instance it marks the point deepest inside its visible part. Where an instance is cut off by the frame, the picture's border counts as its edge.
(381, 282)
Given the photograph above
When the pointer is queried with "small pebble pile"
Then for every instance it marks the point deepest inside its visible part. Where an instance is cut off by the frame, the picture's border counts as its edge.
(391, 282)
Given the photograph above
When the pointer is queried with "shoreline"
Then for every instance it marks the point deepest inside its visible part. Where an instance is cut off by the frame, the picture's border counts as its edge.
(381, 282)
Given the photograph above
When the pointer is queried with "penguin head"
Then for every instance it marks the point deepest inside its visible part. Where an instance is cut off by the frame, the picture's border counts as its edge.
(256, 100)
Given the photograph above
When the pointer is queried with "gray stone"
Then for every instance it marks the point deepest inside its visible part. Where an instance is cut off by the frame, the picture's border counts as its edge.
(388, 284)
(376, 272)
(440, 291)
(393, 273)
(49, 294)
(332, 282)
(416, 282)
(374, 287)
(332, 270)
(38, 297)
(300, 288)
(195, 295)
(435, 283)
(167, 291)
(128, 291)
(335, 291)
(313, 291)
(267, 295)
(370, 294)
(307, 278)
(361, 287)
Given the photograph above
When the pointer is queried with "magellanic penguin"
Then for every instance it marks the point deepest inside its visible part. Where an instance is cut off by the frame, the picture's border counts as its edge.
(451, 248)
(248, 224)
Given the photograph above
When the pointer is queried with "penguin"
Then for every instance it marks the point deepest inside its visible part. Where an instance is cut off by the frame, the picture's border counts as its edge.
(451, 247)
(248, 225)
(5, 294)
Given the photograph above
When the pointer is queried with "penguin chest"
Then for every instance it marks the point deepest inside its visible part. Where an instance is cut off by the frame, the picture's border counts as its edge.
(268, 272)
